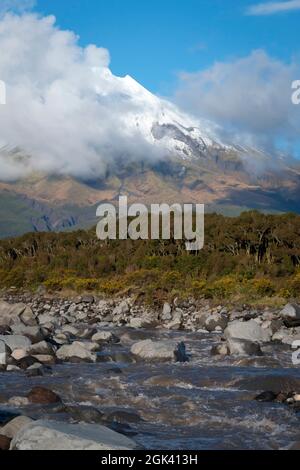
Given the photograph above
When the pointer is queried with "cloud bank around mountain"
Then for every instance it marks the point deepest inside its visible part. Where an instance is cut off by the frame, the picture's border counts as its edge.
(249, 97)
(64, 109)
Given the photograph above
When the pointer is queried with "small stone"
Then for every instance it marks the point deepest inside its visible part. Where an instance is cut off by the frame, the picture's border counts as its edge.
(220, 350)
(43, 396)
(26, 362)
(266, 397)
(45, 359)
(104, 337)
(4, 442)
(19, 354)
(139, 322)
(121, 309)
(12, 368)
(88, 299)
(28, 317)
(18, 401)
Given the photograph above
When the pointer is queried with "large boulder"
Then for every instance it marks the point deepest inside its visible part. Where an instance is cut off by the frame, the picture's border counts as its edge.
(16, 342)
(10, 313)
(249, 331)
(51, 435)
(34, 333)
(15, 425)
(41, 348)
(75, 352)
(159, 351)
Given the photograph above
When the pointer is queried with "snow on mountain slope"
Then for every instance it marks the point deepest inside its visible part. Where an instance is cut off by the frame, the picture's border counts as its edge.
(158, 121)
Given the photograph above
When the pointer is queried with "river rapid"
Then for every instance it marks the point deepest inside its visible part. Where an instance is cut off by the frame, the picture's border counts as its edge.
(206, 403)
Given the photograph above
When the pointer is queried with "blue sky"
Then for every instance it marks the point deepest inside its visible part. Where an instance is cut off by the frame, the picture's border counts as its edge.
(155, 40)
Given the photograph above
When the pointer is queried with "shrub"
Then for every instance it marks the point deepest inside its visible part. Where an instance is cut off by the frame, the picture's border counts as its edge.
(262, 287)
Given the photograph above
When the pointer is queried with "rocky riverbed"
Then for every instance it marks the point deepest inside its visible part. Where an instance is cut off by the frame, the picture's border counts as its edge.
(112, 374)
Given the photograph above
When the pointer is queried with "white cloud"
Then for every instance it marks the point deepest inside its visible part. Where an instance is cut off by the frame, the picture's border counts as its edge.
(270, 8)
(16, 5)
(249, 97)
(64, 107)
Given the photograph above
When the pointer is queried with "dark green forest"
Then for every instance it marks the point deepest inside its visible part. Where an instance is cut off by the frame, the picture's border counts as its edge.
(251, 258)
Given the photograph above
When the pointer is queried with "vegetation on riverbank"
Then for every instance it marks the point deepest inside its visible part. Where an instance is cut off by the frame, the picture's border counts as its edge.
(246, 259)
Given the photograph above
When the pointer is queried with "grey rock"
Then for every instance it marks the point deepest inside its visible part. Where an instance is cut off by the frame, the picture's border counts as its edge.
(155, 350)
(291, 311)
(220, 350)
(167, 312)
(10, 313)
(291, 315)
(250, 331)
(16, 342)
(43, 348)
(88, 299)
(5, 353)
(18, 401)
(34, 333)
(46, 435)
(28, 318)
(15, 425)
(75, 351)
(141, 322)
(241, 347)
(122, 308)
(102, 337)
(216, 320)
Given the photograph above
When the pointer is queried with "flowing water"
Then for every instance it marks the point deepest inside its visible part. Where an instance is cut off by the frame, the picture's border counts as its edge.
(207, 403)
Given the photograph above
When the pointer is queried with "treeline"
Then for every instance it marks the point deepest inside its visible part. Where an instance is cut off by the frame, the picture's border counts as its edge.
(248, 257)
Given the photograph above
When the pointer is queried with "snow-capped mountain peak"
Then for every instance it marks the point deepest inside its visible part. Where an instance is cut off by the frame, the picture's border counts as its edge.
(159, 122)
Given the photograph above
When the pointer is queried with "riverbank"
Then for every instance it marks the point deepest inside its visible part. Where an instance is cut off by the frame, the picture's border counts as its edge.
(184, 376)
